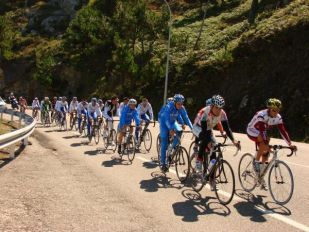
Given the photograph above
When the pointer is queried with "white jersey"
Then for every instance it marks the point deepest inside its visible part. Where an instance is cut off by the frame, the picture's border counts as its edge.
(62, 106)
(96, 108)
(141, 109)
(73, 106)
(81, 107)
(36, 104)
(210, 118)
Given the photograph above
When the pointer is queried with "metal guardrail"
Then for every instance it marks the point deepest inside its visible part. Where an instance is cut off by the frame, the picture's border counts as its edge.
(27, 124)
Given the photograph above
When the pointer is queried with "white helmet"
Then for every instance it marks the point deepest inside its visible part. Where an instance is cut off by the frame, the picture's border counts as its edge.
(132, 102)
(218, 101)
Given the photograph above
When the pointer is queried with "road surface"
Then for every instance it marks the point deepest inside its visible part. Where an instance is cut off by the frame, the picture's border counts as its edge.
(61, 183)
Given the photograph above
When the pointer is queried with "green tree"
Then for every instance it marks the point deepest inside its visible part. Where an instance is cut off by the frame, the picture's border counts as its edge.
(6, 38)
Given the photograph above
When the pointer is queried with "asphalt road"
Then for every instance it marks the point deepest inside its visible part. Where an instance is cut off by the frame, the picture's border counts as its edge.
(61, 183)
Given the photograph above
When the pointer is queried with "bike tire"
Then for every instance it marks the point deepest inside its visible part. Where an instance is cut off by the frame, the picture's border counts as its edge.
(97, 134)
(279, 165)
(182, 164)
(147, 140)
(158, 144)
(224, 196)
(130, 149)
(247, 177)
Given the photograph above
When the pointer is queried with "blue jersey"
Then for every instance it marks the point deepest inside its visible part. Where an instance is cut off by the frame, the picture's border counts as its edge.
(169, 115)
(128, 115)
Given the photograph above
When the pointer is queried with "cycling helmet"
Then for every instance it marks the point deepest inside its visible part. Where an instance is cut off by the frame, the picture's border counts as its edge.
(100, 101)
(209, 102)
(60, 98)
(64, 98)
(132, 102)
(93, 99)
(274, 103)
(36, 98)
(74, 98)
(170, 99)
(218, 101)
(179, 98)
(20, 98)
(46, 98)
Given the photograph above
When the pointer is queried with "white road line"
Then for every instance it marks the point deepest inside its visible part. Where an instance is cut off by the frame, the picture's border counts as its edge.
(304, 166)
(279, 217)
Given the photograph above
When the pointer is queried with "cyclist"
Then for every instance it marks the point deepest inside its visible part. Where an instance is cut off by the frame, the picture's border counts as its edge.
(54, 101)
(129, 113)
(81, 110)
(212, 116)
(124, 102)
(94, 113)
(73, 108)
(13, 101)
(197, 124)
(170, 99)
(23, 104)
(45, 107)
(257, 132)
(110, 110)
(174, 111)
(35, 107)
(62, 108)
(145, 113)
(101, 104)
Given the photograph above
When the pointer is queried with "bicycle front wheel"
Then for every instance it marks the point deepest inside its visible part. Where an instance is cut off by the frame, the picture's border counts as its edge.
(147, 140)
(281, 182)
(182, 164)
(97, 133)
(225, 182)
(158, 146)
(246, 174)
(130, 149)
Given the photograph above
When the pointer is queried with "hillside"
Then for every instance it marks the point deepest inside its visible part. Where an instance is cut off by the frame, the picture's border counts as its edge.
(103, 48)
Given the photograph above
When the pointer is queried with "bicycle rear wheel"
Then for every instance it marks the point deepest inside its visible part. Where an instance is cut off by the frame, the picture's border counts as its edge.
(225, 182)
(281, 182)
(246, 173)
(158, 146)
(97, 134)
(147, 140)
(182, 164)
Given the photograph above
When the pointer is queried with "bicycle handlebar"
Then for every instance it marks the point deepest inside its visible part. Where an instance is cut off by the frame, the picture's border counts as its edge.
(279, 147)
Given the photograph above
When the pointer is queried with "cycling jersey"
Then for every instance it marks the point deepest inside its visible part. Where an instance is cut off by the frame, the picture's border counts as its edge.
(45, 106)
(142, 110)
(262, 121)
(81, 108)
(62, 106)
(73, 106)
(54, 104)
(110, 110)
(127, 116)
(35, 104)
(121, 106)
(94, 109)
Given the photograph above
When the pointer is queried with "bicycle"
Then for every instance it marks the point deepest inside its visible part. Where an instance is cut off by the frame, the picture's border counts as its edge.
(249, 179)
(128, 147)
(62, 121)
(45, 118)
(35, 114)
(95, 130)
(191, 148)
(73, 121)
(109, 136)
(179, 157)
(221, 174)
(146, 138)
(83, 125)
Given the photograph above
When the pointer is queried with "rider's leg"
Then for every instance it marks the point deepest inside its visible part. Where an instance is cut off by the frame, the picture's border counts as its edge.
(178, 131)
(164, 134)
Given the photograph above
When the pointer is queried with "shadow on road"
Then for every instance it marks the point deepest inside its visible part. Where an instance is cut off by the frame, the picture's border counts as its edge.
(91, 152)
(158, 181)
(195, 206)
(276, 208)
(4, 162)
(150, 165)
(114, 161)
(71, 136)
(79, 144)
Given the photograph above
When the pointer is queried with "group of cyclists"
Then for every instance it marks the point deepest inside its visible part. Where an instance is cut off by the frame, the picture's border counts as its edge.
(173, 118)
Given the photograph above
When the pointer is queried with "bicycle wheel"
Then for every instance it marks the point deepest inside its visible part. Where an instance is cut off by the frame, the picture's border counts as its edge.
(116, 140)
(130, 149)
(281, 182)
(85, 129)
(182, 164)
(147, 140)
(246, 173)
(97, 134)
(158, 145)
(225, 182)
(65, 126)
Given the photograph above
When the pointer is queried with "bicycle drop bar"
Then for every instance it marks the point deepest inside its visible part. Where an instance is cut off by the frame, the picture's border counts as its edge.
(279, 147)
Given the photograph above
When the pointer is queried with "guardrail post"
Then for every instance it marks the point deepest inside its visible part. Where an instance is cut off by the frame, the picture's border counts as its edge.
(12, 151)
(12, 116)
(1, 115)
(20, 117)
(25, 141)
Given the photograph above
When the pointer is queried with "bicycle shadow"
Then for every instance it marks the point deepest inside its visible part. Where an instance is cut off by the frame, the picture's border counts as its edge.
(195, 206)
(71, 137)
(115, 161)
(79, 144)
(254, 207)
(158, 181)
(91, 152)
(150, 165)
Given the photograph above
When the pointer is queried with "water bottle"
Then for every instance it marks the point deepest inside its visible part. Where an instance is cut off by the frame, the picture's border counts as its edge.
(211, 165)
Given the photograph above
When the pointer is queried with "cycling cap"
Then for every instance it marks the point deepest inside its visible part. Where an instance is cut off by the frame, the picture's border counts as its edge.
(218, 101)
(209, 102)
